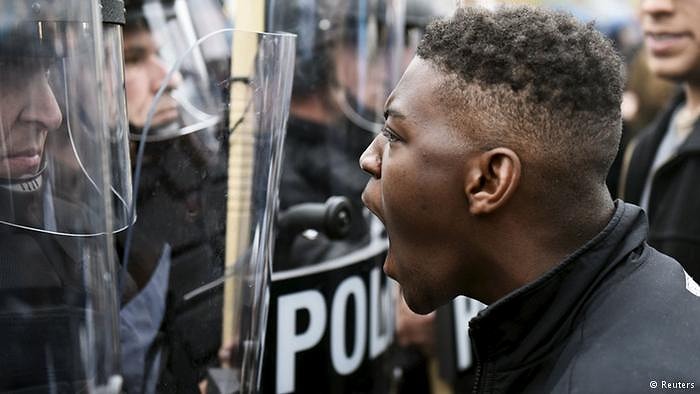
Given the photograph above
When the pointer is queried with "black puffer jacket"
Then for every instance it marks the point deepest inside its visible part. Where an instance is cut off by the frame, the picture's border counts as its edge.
(674, 202)
(616, 316)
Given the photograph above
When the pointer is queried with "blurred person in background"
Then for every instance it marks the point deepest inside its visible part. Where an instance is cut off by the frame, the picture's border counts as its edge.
(646, 94)
(645, 97)
(662, 166)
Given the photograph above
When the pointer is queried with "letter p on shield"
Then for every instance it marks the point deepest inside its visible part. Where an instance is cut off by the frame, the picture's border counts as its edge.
(289, 343)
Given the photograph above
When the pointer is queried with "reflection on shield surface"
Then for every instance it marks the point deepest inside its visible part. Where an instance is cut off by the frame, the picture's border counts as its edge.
(207, 154)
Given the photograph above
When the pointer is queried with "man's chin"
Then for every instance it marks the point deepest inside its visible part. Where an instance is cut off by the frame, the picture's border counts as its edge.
(419, 306)
(389, 265)
(165, 117)
(673, 69)
(20, 167)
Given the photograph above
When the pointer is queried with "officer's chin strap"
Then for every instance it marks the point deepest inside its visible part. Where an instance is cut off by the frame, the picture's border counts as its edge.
(28, 184)
(142, 147)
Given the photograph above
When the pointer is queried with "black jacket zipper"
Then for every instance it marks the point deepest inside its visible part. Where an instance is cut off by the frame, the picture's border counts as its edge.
(478, 375)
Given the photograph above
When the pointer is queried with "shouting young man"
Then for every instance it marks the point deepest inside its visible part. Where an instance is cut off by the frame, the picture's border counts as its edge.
(489, 176)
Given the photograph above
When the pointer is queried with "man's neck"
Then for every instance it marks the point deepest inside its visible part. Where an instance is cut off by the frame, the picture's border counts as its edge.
(528, 258)
(692, 94)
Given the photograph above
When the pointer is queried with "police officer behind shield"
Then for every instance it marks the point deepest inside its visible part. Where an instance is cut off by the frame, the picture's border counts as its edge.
(57, 310)
(178, 187)
(343, 62)
(192, 199)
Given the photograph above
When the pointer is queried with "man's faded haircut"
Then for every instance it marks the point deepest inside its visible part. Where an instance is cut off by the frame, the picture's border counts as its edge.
(537, 81)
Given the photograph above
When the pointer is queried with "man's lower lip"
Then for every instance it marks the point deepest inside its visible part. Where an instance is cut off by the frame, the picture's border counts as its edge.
(389, 265)
(22, 165)
(665, 46)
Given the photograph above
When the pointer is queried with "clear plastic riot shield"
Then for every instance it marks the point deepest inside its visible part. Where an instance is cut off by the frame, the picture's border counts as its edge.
(207, 111)
(57, 283)
(419, 13)
(370, 36)
(113, 19)
(348, 59)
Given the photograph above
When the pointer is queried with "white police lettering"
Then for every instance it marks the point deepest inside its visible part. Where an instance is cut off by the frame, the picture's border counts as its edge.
(381, 322)
(464, 310)
(288, 341)
(352, 286)
(691, 285)
(380, 304)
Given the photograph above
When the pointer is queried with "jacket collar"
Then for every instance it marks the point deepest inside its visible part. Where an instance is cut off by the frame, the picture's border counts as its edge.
(692, 143)
(529, 322)
(645, 150)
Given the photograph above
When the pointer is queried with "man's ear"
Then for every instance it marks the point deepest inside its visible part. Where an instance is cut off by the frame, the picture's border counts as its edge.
(491, 179)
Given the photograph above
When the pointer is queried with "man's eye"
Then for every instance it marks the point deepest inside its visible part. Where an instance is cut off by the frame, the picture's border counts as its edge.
(389, 135)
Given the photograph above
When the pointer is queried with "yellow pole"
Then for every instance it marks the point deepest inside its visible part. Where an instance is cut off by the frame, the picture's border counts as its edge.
(247, 15)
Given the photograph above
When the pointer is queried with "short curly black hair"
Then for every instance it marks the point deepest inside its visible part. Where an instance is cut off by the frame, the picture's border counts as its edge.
(537, 80)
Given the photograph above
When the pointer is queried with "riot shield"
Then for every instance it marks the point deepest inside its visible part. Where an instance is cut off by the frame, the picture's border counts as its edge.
(348, 58)
(419, 13)
(57, 276)
(331, 305)
(113, 20)
(208, 135)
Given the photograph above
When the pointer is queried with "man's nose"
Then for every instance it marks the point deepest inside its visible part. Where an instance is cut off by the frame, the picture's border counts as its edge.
(42, 107)
(371, 159)
(656, 7)
(158, 71)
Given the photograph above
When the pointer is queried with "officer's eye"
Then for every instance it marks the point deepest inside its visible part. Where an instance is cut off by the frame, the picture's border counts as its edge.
(22, 69)
(389, 135)
(135, 55)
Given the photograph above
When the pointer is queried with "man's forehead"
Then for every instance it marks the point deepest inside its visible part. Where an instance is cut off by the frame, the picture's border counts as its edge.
(419, 83)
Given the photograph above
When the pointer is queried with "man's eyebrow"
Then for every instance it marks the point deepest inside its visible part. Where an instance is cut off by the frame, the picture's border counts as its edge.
(393, 113)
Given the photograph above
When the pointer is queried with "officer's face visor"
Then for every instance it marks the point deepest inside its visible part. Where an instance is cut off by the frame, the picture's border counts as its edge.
(55, 139)
(158, 35)
(57, 306)
(350, 50)
(368, 57)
